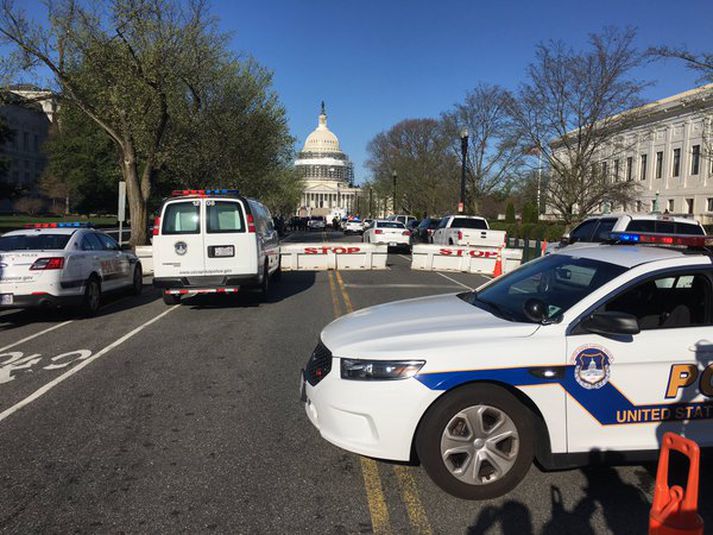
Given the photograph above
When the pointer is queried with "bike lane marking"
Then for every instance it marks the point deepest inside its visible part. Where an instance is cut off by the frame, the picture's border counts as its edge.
(32, 336)
(66, 375)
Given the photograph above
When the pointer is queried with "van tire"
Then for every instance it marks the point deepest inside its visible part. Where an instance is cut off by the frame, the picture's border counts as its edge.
(265, 284)
(171, 299)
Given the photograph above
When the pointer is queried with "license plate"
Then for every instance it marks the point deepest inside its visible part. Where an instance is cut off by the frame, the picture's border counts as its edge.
(6, 299)
(222, 251)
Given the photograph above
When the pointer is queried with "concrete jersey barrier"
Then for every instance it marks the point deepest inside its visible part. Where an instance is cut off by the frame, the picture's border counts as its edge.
(467, 259)
(326, 256)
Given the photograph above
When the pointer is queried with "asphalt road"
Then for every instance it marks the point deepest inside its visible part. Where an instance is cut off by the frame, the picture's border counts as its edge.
(157, 419)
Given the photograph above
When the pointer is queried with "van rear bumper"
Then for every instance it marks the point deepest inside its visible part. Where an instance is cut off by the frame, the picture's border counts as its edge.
(210, 281)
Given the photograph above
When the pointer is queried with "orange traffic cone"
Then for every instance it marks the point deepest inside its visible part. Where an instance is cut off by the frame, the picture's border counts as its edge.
(498, 270)
(675, 510)
(544, 248)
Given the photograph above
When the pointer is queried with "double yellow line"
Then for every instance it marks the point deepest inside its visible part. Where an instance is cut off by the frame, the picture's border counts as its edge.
(378, 509)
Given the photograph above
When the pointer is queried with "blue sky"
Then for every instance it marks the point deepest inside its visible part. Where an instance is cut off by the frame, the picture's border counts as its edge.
(378, 62)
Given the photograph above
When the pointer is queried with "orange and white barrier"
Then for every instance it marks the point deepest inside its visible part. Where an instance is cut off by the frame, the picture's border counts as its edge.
(326, 256)
(468, 259)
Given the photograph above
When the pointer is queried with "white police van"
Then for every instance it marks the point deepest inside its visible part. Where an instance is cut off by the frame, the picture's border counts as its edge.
(63, 264)
(586, 355)
(213, 241)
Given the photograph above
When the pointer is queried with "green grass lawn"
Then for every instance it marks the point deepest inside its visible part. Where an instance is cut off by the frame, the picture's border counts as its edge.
(12, 222)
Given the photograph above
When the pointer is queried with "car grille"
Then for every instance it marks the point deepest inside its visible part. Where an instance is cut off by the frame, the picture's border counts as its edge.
(319, 364)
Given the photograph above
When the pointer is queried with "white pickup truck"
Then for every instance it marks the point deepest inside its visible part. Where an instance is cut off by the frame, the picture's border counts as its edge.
(467, 230)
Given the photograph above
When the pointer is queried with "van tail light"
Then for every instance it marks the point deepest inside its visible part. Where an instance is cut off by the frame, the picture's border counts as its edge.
(156, 226)
(378, 231)
(406, 233)
(430, 231)
(251, 224)
(55, 262)
(460, 235)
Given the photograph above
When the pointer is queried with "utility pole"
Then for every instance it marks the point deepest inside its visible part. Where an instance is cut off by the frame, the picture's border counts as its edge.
(393, 175)
(464, 154)
(371, 209)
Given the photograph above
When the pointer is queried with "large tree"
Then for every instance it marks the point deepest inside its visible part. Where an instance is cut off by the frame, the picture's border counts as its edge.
(494, 151)
(569, 111)
(419, 151)
(129, 65)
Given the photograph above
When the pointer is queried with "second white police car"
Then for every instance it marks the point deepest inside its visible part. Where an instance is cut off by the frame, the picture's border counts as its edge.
(63, 264)
(586, 355)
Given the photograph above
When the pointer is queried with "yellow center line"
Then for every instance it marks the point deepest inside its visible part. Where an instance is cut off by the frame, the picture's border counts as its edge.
(370, 471)
(378, 511)
(414, 507)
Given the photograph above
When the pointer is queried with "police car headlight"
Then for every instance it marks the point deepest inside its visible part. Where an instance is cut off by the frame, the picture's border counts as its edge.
(380, 370)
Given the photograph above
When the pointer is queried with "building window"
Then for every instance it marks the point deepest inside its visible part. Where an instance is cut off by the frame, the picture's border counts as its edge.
(695, 159)
(644, 161)
(605, 169)
(35, 143)
(689, 206)
(25, 141)
(629, 167)
(676, 169)
(709, 204)
(671, 206)
(638, 206)
(659, 164)
(616, 170)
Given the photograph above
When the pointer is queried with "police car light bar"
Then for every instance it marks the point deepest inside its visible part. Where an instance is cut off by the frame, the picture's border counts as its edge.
(203, 192)
(662, 239)
(73, 224)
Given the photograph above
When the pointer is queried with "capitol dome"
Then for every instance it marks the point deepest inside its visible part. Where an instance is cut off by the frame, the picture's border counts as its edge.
(322, 139)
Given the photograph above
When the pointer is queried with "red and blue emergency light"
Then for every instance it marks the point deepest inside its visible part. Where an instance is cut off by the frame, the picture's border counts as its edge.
(73, 224)
(203, 192)
(662, 239)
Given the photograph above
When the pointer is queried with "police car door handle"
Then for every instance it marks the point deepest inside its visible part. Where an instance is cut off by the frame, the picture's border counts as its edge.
(702, 345)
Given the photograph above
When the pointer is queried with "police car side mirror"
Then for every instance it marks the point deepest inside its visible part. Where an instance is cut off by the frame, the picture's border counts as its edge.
(564, 240)
(611, 323)
(535, 310)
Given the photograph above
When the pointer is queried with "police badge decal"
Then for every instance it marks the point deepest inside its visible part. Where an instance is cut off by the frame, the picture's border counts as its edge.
(592, 366)
(181, 248)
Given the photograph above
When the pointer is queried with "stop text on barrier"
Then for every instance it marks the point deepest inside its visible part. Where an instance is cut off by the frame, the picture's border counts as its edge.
(475, 253)
(332, 249)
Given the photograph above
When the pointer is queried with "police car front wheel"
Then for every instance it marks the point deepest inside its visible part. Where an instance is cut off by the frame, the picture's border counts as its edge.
(477, 442)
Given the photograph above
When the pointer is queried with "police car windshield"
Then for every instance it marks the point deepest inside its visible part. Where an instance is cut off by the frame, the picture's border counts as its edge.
(34, 242)
(558, 281)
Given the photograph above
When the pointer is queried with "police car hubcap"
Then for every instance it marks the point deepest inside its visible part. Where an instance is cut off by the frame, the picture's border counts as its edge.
(480, 444)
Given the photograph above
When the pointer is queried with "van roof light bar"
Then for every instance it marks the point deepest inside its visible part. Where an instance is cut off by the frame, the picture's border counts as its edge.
(203, 192)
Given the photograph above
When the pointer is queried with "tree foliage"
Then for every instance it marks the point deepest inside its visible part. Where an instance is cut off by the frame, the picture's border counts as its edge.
(427, 170)
(6, 136)
(143, 71)
(569, 110)
(494, 151)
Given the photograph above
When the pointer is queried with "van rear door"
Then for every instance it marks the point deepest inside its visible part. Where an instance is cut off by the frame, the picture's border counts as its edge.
(178, 249)
(230, 241)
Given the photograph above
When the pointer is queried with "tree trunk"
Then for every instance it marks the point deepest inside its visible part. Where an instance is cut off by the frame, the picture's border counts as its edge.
(137, 201)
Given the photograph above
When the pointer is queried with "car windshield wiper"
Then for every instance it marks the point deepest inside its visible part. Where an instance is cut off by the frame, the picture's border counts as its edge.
(495, 308)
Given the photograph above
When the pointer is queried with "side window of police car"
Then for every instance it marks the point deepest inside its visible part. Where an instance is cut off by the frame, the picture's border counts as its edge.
(667, 301)
(91, 243)
(108, 243)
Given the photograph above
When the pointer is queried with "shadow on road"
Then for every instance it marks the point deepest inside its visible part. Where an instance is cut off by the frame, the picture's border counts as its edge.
(292, 283)
(621, 506)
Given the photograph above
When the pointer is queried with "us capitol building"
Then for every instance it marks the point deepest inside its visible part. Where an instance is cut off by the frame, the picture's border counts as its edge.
(327, 173)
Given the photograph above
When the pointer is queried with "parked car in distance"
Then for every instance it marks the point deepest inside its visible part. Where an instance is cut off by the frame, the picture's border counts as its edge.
(423, 232)
(598, 229)
(391, 233)
(405, 219)
(316, 222)
(354, 226)
(467, 230)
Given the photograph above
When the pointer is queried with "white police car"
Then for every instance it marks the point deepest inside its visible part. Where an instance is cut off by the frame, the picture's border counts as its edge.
(54, 264)
(586, 355)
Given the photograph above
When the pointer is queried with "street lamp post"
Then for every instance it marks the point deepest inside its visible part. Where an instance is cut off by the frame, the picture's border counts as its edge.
(393, 175)
(464, 153)
(371, 195)
(339, 196)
